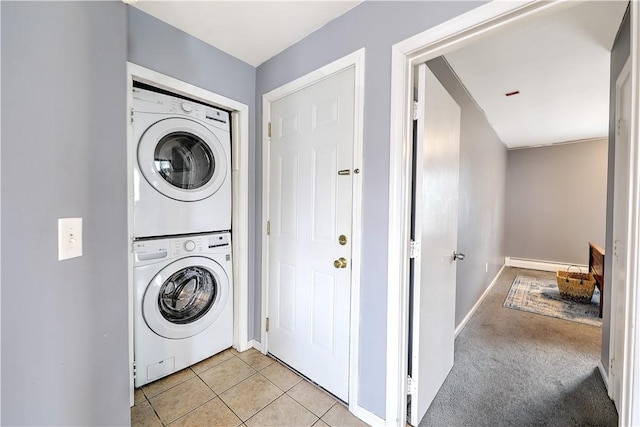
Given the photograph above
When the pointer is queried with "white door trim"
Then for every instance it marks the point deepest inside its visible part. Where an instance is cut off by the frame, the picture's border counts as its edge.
(630, 408)
(422, 47)
(356, 60)
(614, 316)
(240, 195)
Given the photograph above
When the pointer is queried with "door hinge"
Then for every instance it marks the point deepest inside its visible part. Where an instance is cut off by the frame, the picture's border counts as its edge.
(619, 126)
(414, 249)
(415, 110)
(134, 370)
(131, 116)
(268, 228)
(411, 386)
(267, 326)
(269, 129)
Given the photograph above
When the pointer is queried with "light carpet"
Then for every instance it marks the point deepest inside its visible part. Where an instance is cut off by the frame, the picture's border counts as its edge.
(542, 296)
(514, 368)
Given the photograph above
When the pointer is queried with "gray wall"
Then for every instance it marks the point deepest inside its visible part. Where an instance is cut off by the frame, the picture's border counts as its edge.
(163, 48)
(481, 203)
(64, 323)
(375, 25)
(619, 54)
(556, 201)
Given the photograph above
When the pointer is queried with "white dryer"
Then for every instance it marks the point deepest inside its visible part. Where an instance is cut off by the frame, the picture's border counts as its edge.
(183, 302)
(181, 167)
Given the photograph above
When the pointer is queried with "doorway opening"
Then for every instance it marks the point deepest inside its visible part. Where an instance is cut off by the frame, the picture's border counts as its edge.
(413, 52)
(240, 197)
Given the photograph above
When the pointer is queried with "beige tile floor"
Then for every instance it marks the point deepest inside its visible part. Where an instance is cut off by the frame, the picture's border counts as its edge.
(237, 389)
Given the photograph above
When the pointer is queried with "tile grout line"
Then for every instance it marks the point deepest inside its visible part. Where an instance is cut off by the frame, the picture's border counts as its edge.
(264, 407)
(232, 386)
(302, 404)
(173, 386)
(218, 395)
(283, 391)
(198, 407)
(213, 366)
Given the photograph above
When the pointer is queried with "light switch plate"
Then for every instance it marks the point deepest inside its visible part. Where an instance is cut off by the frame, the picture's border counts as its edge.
(69, 238)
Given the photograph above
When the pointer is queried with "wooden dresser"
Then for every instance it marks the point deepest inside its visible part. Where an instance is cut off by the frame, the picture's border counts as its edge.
(596, 267)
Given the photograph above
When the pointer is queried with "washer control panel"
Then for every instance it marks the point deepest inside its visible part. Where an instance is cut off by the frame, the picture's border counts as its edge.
(186, 246)
(153, 250)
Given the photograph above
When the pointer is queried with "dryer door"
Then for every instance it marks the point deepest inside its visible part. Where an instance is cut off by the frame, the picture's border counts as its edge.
(182, 159)
(185, 297)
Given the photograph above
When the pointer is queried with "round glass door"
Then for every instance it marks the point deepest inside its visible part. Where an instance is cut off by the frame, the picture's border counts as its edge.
(186, 297)
(183, 159)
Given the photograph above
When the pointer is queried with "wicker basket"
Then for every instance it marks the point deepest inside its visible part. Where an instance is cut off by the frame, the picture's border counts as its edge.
(576, 286)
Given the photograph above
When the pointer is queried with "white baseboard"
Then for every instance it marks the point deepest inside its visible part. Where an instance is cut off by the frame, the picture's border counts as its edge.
(477, 304)
(603, 374)
(255, 344)
(366, 416)
(533, 264)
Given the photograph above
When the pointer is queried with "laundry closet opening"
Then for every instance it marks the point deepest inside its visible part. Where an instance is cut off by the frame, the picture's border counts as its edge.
(188, 198)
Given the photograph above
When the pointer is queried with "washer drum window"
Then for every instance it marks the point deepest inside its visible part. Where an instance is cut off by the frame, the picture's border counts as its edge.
(186, 297)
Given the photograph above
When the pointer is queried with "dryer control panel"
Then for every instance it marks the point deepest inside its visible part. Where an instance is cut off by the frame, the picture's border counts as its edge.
(148, 251)
(146, 101)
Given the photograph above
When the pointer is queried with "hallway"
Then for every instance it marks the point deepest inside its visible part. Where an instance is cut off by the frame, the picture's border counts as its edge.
(517, 368)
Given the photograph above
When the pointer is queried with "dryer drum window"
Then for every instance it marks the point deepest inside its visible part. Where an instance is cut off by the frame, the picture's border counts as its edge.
(187, 295)
(184, 160)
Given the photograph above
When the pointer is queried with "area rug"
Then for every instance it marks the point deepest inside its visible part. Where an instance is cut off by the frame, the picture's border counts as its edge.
(541, 296)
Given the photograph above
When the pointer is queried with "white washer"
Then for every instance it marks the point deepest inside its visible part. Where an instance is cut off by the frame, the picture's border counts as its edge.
(182, 166)
(183, 302)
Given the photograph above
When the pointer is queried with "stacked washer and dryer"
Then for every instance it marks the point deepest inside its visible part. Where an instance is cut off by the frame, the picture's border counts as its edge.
(183, 289)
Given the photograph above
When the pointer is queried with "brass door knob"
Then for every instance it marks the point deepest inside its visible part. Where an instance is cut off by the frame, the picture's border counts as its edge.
(340, 263)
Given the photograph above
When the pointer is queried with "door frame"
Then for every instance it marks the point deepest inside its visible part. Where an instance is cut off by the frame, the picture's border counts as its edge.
(441, 39)
(239, 170)
(616, 317)
(356, 60)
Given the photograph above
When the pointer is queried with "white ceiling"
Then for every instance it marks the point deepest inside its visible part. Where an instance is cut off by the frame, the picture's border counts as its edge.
(560, 65)
(558, 62)
(252, 31)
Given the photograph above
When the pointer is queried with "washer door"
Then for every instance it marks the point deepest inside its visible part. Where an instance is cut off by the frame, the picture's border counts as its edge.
(185, 297)
(182, 159)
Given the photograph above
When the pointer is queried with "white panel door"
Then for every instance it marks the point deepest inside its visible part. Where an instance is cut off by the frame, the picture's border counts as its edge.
(310, 207)
(620, 232)
(435, 205)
